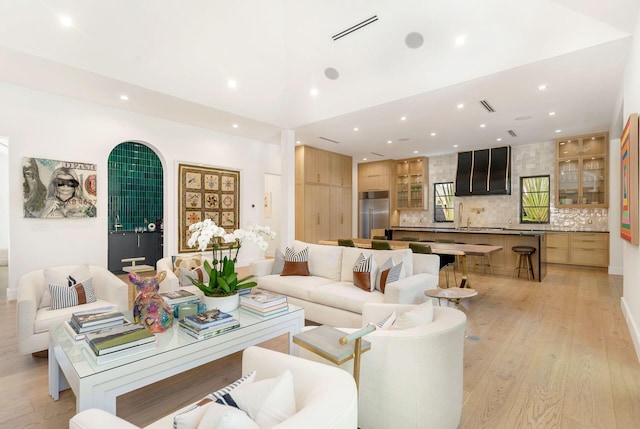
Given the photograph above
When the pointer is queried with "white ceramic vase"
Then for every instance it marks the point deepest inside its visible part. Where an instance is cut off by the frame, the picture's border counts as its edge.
(223, 303)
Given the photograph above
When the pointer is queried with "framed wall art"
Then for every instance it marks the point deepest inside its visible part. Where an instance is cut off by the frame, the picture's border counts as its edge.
(206, 192)
(54, 189)
(629, 181)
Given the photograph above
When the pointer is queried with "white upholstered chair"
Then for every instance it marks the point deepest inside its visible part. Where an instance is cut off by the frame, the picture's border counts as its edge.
(410, 378)
(34, 316)
(325, 397)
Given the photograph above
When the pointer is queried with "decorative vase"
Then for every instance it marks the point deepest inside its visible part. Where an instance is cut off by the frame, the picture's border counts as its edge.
(223, 303)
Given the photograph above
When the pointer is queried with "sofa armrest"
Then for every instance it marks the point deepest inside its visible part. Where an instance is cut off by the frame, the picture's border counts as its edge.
(94, 418)
(423, 263)
(28, 302)
(374, 312)
(170, 282)
(410, 290)
(109, 287)
(261, 267)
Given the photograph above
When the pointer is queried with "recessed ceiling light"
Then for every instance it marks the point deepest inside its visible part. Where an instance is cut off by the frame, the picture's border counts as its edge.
(403, 118)
(124, 97)
(455, 145)
(298, 142)
(460, 106)
(558, 131)
(499, 139)
(356, 129)
(231, 84)
(364, 159)
(389, 142)
(552, 113)
(433, 134)
(415, 151)
(542, 87)
(460, 40)
(235, 125)
(314, 92)
(483, 125)
(593, 138)
(66, 21)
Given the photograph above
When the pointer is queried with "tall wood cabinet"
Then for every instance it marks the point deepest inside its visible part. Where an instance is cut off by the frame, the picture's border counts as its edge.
(374, 176)
(323, 195)
(581, 171)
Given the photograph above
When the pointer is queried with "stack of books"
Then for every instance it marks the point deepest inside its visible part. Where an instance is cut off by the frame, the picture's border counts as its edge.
(82, 322)
(120, 341)
(208, 324)
(264, 303)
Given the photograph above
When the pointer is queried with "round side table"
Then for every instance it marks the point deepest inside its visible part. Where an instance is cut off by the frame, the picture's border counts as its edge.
(453, 294)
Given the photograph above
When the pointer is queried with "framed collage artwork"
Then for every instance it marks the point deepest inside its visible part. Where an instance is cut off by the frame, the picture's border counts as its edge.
(206, 193)
(629, 181)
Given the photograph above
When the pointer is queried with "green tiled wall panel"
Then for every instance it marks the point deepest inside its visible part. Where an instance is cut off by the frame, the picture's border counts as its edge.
(135, 185)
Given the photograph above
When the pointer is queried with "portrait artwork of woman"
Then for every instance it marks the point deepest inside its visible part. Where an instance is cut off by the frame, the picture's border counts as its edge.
(33, 190)
(65, 197)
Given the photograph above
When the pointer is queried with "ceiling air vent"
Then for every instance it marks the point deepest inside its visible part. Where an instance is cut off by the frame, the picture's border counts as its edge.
(353, 28)
(377, 154)
(487, 106)
(512, 133)
(329, 140)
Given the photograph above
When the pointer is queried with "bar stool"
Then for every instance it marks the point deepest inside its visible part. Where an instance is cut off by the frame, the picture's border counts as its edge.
(525, 251)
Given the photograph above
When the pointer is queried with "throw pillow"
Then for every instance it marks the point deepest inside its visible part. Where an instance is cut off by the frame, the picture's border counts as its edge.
(188, 262)
(278, 263)
(190, 417)
(224, 417)
(417, 316)
(385, 323)
(70, 296)
(296, 263)
(268, 402)
(197, 273)
(62, 276)
(388, 273)
(364, 272)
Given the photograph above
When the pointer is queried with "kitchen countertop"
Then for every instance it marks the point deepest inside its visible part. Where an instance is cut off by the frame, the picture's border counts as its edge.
(484, 230)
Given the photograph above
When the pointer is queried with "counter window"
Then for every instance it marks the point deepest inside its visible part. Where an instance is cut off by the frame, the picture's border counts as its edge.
(534, 199)
(443, 202)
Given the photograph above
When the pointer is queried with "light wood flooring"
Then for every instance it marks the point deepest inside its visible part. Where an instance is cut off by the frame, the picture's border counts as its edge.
(555, 354)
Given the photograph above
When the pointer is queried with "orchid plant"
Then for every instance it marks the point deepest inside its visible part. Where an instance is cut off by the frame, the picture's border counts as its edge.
(223, 279)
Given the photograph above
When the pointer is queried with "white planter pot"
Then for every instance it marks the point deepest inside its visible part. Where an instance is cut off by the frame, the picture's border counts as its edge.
(222, 303)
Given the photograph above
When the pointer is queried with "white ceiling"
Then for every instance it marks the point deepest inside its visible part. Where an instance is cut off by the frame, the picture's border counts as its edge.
(173, 59)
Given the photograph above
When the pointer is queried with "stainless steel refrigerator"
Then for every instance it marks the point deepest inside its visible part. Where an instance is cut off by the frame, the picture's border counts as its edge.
(373, 209)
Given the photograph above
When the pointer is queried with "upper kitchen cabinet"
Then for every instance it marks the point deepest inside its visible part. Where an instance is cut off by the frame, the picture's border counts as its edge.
(581, 171)
(484, 172)
(341, 170)
(411, 184)
(315, 165)
(374, 176)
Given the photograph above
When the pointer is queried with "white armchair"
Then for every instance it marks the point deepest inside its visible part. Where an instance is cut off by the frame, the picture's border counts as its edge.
(34, 317)
(325, 397)
(171, 282)
(410, 378)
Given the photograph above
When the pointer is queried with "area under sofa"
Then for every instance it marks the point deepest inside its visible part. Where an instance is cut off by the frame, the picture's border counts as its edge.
(329, 295)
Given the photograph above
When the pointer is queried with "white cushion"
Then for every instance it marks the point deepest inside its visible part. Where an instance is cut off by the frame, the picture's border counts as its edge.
(345, 296)
(60, 276)
(324, 261)
(293, 286)
(385, 323)
(420, 315)
(225, 417)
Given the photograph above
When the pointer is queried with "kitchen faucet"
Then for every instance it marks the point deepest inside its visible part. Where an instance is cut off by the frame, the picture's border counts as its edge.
(117, 224)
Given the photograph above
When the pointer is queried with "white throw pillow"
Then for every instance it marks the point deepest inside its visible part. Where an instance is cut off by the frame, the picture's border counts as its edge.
(419, 315)
(225, 417)
(61, 276)
(268, 402)
(388, 273)
(364, 273)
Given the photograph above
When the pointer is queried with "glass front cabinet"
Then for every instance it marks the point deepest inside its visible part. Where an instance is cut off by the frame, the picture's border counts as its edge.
(411, 186)
(581, 171)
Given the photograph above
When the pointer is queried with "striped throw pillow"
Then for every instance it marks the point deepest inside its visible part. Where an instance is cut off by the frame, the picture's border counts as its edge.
(72, 295)
(385, 323)
(388, 273)
(296, 263)
(364, 272)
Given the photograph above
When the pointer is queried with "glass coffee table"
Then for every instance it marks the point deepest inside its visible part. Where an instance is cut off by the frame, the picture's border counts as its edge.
(72, 363)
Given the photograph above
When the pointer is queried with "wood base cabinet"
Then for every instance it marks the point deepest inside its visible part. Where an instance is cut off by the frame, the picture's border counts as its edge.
(589, 249)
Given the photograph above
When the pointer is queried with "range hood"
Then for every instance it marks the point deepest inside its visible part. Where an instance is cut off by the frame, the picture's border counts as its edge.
(484, 172)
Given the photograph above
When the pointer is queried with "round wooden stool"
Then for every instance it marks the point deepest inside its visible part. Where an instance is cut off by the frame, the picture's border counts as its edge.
(525, 251)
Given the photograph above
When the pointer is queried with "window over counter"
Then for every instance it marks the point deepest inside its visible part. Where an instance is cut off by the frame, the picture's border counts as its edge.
(534, 199)
(443, 202)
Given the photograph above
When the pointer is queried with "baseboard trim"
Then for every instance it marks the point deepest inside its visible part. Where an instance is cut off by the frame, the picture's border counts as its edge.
(615, 270)
(632, 326)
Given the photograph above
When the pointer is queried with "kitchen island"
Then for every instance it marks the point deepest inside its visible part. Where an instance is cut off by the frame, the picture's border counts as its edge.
(502, 262)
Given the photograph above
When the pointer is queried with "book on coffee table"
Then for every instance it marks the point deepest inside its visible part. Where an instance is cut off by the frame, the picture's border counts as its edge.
(263, 299)
(124, 353)
(116, 338)
(207, 319)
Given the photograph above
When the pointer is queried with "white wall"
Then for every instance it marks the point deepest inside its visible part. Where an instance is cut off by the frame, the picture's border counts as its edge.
(631, 253)
(48, 126)
(4, 199)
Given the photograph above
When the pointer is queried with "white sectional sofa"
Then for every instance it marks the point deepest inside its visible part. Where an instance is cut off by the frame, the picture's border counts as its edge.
(329, 295)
